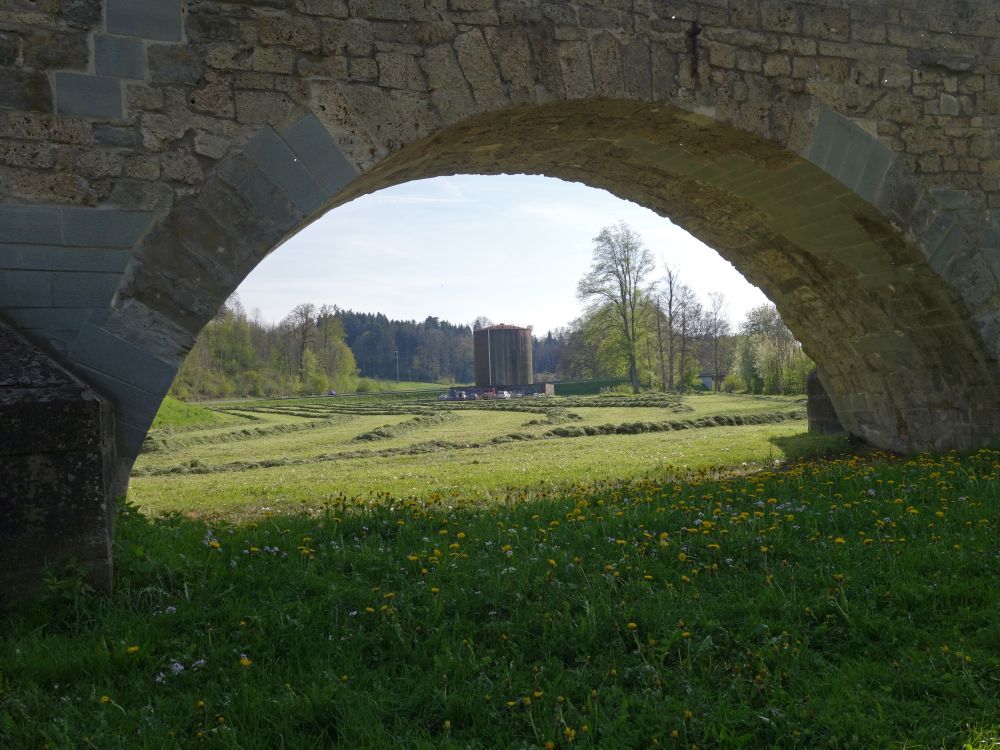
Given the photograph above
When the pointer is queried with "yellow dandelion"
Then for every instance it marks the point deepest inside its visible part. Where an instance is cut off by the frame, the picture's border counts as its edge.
(632, 626)
(840, 540)
(245, 661)
(105, 699)
(132, 649)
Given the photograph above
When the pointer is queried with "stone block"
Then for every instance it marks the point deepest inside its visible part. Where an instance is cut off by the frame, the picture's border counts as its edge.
(849, 154)
(10, 49)
(267, 203)
(83, 289)
(281, 165)
(94, 227)
(119, 57)
(169, 63)
(82, 14)
(134, 406)
(45, 318)
(54, 258)
(25, 90)
(84, 95)
(101, 351)
(26, 288)
(319, 154)
(878, 161)
(24, 223)
(47, 50)
(239, 215)
(57, 452)
(159, 20)
(113, 135)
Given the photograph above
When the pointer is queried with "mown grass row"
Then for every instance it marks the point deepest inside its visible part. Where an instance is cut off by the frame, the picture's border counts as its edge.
(408, 427)
(166, 442)
(844, 603)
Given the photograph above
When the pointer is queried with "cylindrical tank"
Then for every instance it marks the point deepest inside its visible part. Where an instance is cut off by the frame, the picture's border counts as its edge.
(503, 356)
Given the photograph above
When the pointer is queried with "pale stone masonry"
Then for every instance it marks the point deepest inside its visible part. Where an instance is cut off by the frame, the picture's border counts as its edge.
(842, 154)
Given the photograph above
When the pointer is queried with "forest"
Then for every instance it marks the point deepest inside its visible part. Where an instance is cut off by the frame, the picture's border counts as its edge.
(315, 349)
(657, 332)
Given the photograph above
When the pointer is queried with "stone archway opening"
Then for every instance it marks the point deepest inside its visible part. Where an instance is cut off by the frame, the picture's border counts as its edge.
(511, 248)
(853, 288)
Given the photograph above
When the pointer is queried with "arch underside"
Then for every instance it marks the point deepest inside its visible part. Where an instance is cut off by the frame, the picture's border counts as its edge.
(897, 348)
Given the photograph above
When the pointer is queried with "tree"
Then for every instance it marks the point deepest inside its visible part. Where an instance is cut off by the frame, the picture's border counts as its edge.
(667, 303)
(771, 348)
(717, 333)
(301, 323)
(689, 324)
(616, 280)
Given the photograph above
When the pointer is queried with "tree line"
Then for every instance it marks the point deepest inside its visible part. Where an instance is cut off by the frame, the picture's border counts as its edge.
(656, 332)
(315, 349)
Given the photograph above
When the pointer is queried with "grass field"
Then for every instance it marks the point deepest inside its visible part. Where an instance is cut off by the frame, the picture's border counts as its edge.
(608, 590)
(295, 454)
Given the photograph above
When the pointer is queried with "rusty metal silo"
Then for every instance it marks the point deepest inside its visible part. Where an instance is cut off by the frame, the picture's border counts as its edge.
(503, 356)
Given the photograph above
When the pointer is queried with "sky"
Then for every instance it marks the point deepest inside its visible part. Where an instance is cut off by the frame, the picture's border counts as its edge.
(511, 248)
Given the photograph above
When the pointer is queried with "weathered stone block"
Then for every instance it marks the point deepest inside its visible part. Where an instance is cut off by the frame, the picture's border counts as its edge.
(318, 153)
(47, 258)
(77, 289)
(113, 135)
(170, 63)
(27, 90)
(101, 351)
(88, 96)
(57, 452)
(24, 223)
(282, 167)
(119, 57)
(149, 19)
(82, 14)
(95, 227)
(26, 288)
(44, 50)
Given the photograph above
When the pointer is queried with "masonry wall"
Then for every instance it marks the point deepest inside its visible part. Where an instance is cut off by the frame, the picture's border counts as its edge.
(841, 154)
(56, 467)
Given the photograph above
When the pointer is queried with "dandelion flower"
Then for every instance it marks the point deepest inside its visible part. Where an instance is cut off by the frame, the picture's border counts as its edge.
(132, 649)
(105, 699)
(245, 661)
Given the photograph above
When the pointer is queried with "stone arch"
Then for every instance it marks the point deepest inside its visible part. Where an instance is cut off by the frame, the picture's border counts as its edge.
(843, 158)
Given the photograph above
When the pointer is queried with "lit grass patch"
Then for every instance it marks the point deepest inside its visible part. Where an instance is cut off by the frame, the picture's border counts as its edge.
(175, 414)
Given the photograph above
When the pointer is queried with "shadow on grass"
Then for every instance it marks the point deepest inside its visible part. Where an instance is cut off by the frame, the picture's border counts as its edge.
(807, 445)
(526, 623)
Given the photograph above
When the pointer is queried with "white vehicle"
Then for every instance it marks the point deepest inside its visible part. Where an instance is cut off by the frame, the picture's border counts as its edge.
(503, 394)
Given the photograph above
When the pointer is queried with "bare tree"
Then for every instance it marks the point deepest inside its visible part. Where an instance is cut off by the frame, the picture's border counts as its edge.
(689, 323)
(301, 323)
(717, 330)
(616, 279)
(666, 304)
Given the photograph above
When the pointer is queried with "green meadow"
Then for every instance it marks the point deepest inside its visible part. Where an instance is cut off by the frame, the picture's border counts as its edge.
(610, 572)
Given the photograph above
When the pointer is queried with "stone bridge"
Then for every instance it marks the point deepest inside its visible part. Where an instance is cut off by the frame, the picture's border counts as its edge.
(840, 153)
